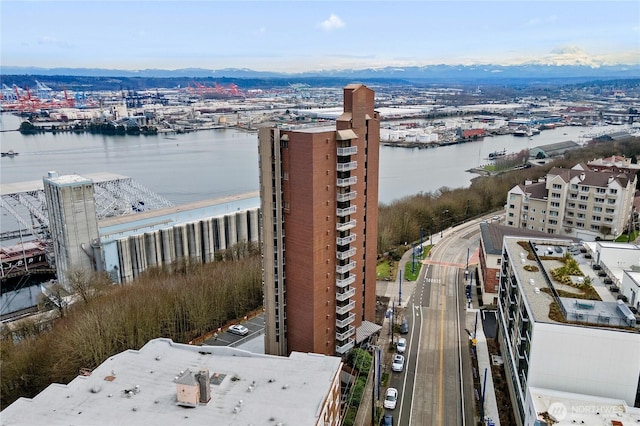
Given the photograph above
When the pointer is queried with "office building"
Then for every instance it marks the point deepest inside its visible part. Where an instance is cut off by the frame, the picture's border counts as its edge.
(555, 333)
(319, 198)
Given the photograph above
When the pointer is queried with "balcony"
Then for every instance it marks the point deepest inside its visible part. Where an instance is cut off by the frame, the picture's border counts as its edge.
(345, 167)
(345, 322)
(342, 255)
(345, 348)
(341, 269)
(347, 196)
(346, 151)
(342, 283)
(341, 310)
(347, 181)
(346, 211)
(345, 240)
(345, 226)
(341, 297)
(344, 336)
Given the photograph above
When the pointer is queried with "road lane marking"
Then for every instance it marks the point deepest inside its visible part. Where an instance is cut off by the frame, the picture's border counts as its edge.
(440, 384)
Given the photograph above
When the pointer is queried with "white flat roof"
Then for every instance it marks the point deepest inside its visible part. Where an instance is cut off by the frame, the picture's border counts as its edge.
(138, 387)
(571, 408)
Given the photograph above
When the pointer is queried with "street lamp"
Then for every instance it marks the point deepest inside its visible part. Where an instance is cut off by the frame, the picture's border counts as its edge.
(442, 221)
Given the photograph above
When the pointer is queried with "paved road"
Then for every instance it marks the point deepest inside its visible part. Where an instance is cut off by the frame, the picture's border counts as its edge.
(437, 356)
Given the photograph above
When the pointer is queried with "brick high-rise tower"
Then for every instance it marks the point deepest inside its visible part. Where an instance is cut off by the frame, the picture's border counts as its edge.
(319, 191)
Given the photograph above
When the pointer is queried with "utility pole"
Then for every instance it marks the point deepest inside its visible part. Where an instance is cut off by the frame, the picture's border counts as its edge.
(400, 291)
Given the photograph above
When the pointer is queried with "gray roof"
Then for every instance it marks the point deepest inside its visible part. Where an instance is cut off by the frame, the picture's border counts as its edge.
(492, 235)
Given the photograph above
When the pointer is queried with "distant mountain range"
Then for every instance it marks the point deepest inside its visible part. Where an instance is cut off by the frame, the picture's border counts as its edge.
(431, 72)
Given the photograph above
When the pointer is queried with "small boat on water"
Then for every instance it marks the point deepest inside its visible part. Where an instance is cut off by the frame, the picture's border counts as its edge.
(522, 131)
(9, 153)
(497, 154)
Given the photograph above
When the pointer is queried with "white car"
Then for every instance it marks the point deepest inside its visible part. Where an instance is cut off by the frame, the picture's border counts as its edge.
(398, 363)
(402, 345)
(390, 398)
(238, 329)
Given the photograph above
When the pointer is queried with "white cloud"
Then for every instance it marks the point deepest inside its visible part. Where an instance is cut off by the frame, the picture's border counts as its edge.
(333, 23)
(534, 22)
(47, 40)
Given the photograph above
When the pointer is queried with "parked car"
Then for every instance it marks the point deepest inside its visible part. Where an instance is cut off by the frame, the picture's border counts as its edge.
(387, 420)
(398, 363)
(391, 398)
(238, 329)
(596, 267)
(602, 273)
(404, 327)
(402, 345)
(607, 280)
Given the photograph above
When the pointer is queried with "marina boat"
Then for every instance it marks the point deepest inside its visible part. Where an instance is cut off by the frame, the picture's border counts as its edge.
(497, 154)
(522, 131)
(9, 153)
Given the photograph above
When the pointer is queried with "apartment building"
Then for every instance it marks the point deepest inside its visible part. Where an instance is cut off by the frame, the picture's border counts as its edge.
(552, 340)
(319, 203)
(577, 202)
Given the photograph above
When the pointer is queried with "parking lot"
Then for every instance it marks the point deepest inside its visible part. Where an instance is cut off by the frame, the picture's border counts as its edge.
(253, 341)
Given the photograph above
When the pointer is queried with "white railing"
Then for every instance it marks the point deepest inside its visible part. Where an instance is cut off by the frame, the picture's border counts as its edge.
(341, 269)
(347, 181)
(341, 297)
(345, 167)
(344, 336)
(346, 308)
(342, 255)
(347, 196)
(346, 225)
(345, 322)
(342, 283)
(345, 348)
(349, 150)
(343, 241)
(346, 211)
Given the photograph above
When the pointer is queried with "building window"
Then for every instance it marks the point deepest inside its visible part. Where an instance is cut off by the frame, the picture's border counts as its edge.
(582, 207)
(584, 188)
(555, 195)
(598, 200)
(580, 215)
(601, 191)
(597, 209)
(595, 227)
(596, 218)
(579, 225)
(584, 197)
(555, 204)
(511, 206)
(613, 191)
(557, 186)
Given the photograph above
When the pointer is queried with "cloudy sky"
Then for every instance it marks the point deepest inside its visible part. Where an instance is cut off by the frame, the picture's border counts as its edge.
(297, 36)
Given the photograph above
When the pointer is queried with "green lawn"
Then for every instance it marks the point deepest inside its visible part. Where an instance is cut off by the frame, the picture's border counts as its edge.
(412, 269)
(625, 237)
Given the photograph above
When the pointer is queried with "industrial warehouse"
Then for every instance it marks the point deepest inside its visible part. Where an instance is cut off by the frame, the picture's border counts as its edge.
(107, 222)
